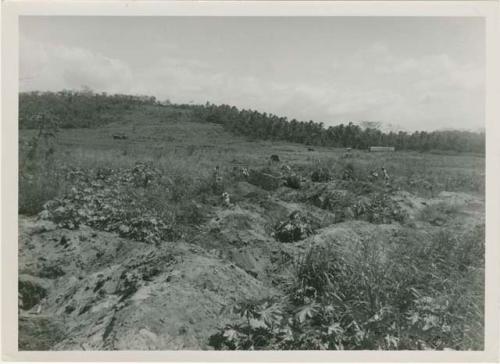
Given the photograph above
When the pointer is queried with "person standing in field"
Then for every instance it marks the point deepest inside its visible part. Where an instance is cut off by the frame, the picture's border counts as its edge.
(217, 179)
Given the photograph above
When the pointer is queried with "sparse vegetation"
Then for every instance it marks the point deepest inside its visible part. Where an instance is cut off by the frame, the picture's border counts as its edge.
(337, 247)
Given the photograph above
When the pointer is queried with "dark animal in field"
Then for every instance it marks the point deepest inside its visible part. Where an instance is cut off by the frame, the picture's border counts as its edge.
(310, 149)
(120, 136)
(275, 158)
(347, 153)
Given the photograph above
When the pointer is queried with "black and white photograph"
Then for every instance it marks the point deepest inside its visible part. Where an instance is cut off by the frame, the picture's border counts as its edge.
(251, 183)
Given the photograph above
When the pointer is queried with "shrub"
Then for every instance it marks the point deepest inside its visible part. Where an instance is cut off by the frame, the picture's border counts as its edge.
(321, 175)
(381, 209)
(297, 227)
(293, 181)
(348, 172)
(120, 201)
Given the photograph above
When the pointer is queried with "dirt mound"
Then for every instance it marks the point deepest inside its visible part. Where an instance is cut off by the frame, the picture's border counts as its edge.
(410, 203)
(469, 208)
(373, 205)
(458, 198)
(346, 236)
(242, 191)
(242, 235)
(266, 179)
(84, 289)
(115, 293)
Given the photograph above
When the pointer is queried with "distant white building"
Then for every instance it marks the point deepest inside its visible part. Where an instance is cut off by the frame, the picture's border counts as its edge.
(381, 149)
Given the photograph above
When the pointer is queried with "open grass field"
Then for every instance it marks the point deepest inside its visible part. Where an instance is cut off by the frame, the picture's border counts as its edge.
(167, 138)
(185, 236)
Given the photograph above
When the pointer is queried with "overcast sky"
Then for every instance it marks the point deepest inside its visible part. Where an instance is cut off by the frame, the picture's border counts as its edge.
(419, 73)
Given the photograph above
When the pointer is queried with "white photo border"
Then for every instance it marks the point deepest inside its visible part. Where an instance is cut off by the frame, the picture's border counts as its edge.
(12, 10)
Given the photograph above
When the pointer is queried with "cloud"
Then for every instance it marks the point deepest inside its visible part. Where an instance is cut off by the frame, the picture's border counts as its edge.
(425, 92)
(375, 83)
(422, 93)
(52, 67)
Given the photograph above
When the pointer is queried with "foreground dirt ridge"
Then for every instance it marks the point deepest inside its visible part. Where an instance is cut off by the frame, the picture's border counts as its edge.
(91, 290)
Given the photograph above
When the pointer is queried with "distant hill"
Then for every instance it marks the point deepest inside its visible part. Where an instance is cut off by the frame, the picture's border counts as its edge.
(76, 109)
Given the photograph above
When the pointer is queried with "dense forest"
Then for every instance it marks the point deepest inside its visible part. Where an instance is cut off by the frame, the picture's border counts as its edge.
(84, 109)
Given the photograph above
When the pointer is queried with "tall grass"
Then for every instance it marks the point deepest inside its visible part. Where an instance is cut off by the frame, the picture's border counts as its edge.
(413, 293)
(39, 177)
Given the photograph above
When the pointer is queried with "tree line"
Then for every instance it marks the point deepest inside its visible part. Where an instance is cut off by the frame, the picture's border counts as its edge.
(76, 109)
(268, 126)
(84, 109)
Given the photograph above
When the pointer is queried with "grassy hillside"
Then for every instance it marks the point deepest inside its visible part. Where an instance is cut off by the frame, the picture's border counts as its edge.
(70, 109)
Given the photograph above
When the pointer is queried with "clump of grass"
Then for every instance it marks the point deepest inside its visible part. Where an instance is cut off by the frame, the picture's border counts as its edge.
(318, 273)
(321, 175)
(36, 188)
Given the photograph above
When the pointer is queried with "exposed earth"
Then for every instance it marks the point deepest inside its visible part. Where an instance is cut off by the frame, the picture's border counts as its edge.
(84, 289)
